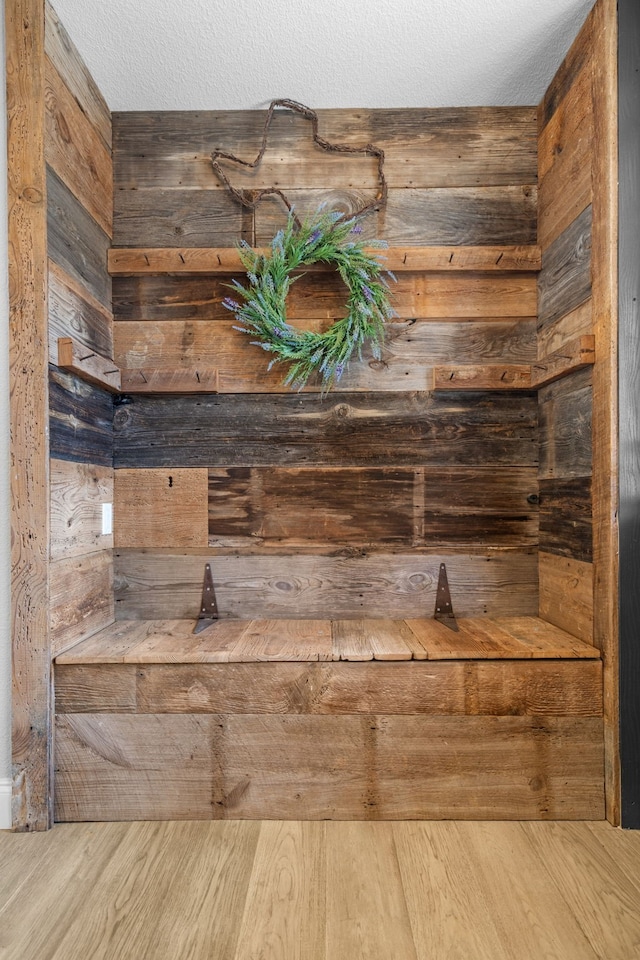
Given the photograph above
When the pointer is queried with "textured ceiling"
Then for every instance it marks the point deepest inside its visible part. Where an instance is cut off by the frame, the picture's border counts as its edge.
(239, 54)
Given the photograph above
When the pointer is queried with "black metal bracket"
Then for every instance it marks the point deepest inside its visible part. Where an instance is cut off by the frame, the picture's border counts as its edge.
(209, 608)
(444, 609)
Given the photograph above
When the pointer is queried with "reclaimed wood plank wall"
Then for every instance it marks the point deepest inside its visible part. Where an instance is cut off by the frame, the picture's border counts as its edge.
(335, 505)
(577, 231)
(79, 232)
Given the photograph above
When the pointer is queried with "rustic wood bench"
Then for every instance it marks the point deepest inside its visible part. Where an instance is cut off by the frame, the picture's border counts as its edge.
(316, 719)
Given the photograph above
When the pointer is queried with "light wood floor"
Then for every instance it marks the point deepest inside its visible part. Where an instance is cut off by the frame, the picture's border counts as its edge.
(340, 891)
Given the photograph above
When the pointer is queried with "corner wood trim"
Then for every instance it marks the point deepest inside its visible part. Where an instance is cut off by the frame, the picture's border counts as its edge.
(193, 260)
(573, 356)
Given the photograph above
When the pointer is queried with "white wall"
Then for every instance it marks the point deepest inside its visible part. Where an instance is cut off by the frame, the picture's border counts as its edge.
(5, 531)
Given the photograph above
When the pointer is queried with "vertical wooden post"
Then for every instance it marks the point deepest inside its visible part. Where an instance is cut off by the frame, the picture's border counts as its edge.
(25, 58)
(629, 391)
(605, 379)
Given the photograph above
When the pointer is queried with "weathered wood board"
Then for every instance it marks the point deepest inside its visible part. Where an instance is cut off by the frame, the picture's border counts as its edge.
(76, 151)
(343, 430)
(161, 508)
(423, 147)
(73, 312)
(489, 583)
(160, 766)
(565, 409)
(27, 265)
(75, 241)
(565, 280)
(566, 525)
(81, 598)
(80, 420)
(566, 594)
(78, 491)
(538, 688)
(268, 509)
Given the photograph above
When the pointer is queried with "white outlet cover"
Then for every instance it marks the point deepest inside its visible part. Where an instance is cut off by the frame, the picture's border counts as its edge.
(107, 519)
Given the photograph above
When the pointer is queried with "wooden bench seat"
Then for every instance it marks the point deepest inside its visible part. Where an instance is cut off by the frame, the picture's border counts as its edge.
(320, 719)
(245, 641)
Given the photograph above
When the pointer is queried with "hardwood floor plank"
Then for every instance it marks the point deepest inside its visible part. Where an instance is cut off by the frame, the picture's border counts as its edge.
(172, 899)
(285, 907)
(607, 906)
(367, 913)
(450, 912)
(458, 891)
(292, 640)
(531, 914)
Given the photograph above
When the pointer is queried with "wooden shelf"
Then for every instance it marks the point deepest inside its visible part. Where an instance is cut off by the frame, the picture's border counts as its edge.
(574, 356)
(89, 366)
(245, 641)
(198, 260)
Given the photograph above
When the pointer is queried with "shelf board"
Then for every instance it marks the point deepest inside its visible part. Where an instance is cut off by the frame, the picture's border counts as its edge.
(576, 355)
(88, 365)
(198, 260)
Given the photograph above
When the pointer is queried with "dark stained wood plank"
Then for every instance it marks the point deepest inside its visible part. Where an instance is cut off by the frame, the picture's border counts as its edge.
(27, 199)
(153, 584)
(80, 420)
(76, 151)
(309, 507)
(81, 598)
(566, 594)
(565, 280)
(90, 688)
(61, 50)
(75, 241)
(212, 261)
(73, 312)
(480, 506)
(119, 766)
(78, 491)
(423, 147)
(349, 430)
(565, 410)
(341, 510)
(566, 518)
(160, 508)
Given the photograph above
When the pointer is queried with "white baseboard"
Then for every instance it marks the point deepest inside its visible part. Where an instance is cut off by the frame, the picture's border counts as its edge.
(5, 803)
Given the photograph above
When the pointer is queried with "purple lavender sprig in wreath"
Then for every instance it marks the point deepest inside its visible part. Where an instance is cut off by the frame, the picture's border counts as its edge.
(261, 305)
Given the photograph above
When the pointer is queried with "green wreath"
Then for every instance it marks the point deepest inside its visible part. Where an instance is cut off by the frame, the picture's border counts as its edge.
(329, 238)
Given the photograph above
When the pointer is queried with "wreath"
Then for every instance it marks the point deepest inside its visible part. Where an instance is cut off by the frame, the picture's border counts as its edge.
(328, 238)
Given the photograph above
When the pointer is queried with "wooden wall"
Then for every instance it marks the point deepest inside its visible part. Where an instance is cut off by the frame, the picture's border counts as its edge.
(311, 506)
(578, 295)
(79, 231)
